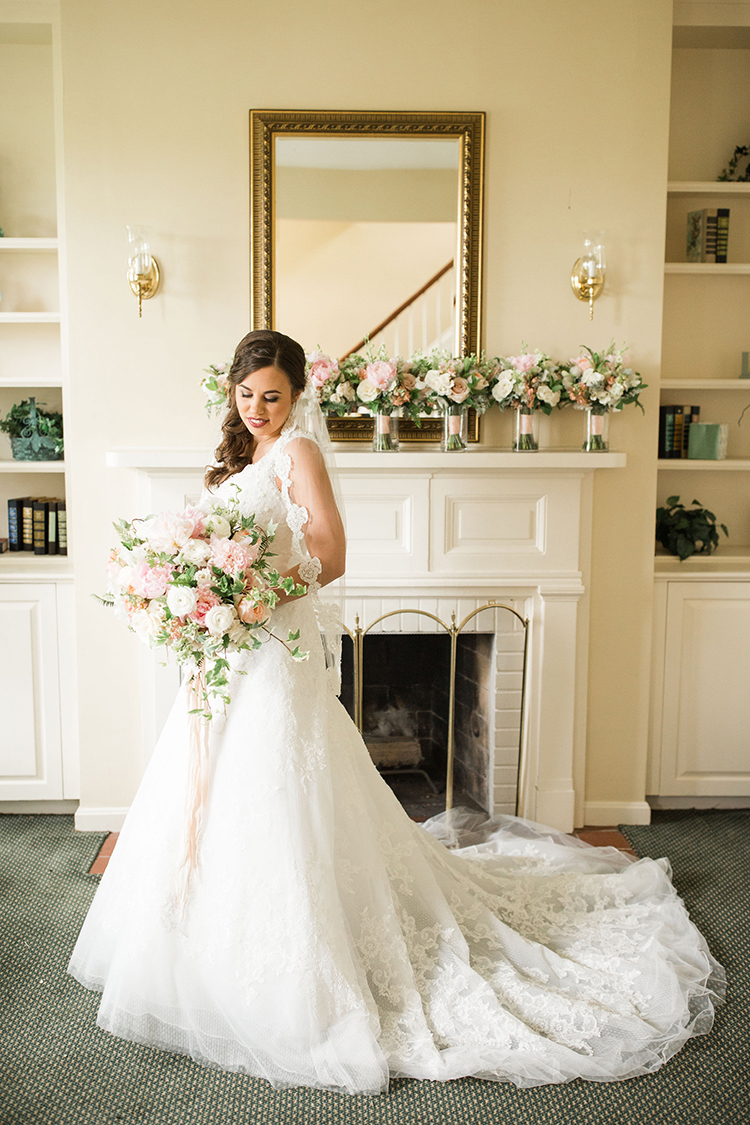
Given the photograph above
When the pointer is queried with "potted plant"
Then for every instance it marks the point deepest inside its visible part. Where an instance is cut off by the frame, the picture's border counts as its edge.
(35, 434)
(681, 529)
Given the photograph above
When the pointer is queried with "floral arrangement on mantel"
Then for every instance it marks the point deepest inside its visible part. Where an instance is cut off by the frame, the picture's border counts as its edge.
(438, 383)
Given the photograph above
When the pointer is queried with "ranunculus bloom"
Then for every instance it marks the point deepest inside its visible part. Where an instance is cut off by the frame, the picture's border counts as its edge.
(195, 552)
(459, 388)
(381, 373)
(219, 619)
(150, 581)
(181, 600)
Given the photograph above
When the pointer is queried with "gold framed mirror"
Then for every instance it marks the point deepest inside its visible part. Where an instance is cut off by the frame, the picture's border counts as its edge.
(368, 226)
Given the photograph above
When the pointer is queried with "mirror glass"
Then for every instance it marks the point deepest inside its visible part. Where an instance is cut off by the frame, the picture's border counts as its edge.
(365, 236)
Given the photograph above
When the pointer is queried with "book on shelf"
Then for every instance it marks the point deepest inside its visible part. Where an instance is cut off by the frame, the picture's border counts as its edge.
(15, 523)
(707, 235)
(678, 432)
(62, 527)
(4, 546)
(38, 524)
(690, 414)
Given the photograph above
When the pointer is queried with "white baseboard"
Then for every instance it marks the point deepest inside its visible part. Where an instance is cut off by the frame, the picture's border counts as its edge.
(617, 812)
(699, 802)
(57, 808)
(99, 820)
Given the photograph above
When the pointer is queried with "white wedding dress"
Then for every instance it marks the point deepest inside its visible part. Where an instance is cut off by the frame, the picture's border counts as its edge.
(330, 941)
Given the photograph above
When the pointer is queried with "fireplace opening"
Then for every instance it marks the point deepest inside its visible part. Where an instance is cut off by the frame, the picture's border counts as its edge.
(405, 715)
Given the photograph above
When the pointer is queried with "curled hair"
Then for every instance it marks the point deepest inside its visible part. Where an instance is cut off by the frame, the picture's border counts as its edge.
(259, 349)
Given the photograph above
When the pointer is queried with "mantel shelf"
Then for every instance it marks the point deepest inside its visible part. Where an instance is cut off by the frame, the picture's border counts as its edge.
(707, 187)
(714, 268)
(705, 385)
(160, 459)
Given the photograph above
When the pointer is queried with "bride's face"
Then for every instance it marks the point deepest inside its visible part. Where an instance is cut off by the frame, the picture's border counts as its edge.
(264, 400)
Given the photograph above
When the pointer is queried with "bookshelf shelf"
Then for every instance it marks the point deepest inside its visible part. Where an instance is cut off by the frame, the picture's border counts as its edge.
(30, 318)
(686, 464)
(35, 381)
(28, 244)
(703, 385)
(731, 268)
(24, 565)
(32, 467)
(706, 187)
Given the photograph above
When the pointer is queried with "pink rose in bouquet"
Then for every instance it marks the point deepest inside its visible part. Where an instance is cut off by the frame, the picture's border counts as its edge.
(459, 389)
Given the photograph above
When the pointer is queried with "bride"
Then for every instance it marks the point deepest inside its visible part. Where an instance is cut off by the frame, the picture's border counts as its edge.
(328, 940)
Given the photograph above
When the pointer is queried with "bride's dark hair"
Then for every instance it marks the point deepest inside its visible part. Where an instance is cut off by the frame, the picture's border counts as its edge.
(262, 348)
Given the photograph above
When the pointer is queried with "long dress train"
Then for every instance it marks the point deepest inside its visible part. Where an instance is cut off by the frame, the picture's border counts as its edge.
(329, 941)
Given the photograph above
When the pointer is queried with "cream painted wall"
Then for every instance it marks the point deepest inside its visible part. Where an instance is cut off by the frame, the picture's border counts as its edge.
(156, 131)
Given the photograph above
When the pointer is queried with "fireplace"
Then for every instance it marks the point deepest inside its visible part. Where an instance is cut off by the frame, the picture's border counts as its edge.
(447, 533)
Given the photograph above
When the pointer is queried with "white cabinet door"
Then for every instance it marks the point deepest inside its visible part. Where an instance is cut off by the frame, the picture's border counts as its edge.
(30, 743)
(705, 749)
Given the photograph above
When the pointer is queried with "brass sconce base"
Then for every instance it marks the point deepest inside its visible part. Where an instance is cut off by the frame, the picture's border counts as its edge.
(586, 288)
(145, 285)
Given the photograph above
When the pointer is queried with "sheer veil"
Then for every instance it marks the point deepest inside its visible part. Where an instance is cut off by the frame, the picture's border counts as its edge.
(307, 415)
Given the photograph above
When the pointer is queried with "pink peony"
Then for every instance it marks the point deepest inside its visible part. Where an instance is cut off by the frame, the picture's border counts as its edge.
(198, 520)
(459, 389)
(206, 600)
(583, 362)
(524, 362)
(150, 581)
(230, 556)
(322, 368)
(381, 373)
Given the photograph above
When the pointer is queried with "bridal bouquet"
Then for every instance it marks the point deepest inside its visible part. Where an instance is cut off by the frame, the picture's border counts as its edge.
(215, 386)
(601, 382)
(200, 583)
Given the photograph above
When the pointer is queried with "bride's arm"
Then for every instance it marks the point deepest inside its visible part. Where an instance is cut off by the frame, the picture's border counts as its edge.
(311, 489)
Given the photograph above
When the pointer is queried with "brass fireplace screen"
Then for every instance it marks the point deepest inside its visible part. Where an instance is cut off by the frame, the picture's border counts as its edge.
(453, 630)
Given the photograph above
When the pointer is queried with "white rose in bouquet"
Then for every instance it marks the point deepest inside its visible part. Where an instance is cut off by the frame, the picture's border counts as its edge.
(503, 387)
(219, 620)
(195, 552)
(217, 525)
(146, 624)
(546, 394)
(367, 391)
(439, 382)
(181, 600)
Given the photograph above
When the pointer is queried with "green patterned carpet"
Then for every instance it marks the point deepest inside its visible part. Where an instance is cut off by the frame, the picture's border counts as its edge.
(58, 1068)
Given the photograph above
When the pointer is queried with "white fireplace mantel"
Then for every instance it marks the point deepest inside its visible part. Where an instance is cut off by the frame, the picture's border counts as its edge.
(446, 532)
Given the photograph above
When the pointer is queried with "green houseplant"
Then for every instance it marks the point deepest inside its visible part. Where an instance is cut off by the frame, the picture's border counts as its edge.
(35, 434)
(681, 529)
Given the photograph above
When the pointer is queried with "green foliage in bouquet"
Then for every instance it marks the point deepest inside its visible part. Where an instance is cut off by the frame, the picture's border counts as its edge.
(681, 529)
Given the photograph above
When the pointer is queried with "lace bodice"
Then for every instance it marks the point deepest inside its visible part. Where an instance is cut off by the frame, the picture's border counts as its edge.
(264, 489)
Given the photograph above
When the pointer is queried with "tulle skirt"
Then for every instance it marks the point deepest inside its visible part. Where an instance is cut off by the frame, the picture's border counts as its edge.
(329, 941)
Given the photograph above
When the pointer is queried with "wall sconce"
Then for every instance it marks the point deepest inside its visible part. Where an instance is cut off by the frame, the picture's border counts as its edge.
(143, 269)
(587, 278)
